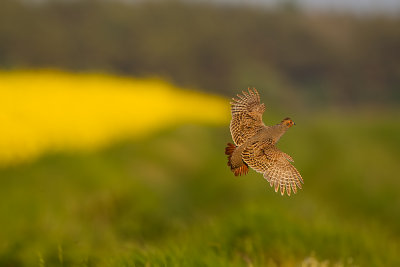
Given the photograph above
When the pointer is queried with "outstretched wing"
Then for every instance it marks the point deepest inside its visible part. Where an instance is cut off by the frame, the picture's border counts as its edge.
(265, 158)
(246, 116)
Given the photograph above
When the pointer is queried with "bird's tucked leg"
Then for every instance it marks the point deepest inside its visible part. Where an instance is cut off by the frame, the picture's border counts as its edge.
(238, 166)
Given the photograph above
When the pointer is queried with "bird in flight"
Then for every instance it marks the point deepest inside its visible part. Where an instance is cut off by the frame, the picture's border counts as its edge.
(255, 144)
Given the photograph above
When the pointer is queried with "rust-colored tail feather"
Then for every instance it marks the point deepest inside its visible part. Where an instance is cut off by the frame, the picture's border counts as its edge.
(229, 151)
(243, 169)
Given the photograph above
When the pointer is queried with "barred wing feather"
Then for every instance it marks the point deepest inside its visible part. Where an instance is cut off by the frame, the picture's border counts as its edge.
(247, 114)
(265, 158)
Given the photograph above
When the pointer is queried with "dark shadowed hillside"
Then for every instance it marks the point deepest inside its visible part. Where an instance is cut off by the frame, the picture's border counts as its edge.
(320, 58)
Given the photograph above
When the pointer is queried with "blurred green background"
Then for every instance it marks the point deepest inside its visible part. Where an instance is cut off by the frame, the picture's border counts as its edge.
(168, 199)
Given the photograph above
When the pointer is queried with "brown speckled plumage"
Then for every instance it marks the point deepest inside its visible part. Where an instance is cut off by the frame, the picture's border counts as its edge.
(255, 144)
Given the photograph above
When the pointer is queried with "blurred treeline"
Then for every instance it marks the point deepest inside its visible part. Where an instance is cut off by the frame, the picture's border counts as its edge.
(320, 58)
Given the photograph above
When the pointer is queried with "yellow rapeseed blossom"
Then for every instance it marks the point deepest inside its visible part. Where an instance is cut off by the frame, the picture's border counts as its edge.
(50, 110)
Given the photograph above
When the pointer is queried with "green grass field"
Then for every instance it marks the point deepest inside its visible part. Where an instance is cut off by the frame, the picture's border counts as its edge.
(170, 200)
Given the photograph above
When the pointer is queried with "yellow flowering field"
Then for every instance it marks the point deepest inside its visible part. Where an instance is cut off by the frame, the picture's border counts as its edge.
(52, 110)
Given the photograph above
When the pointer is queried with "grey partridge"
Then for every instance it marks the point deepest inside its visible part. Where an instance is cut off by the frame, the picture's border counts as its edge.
(255, 144)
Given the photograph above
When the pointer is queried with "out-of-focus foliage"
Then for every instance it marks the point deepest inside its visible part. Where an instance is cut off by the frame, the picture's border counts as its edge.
(171, 200)
(329, 58)
(47, 110)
